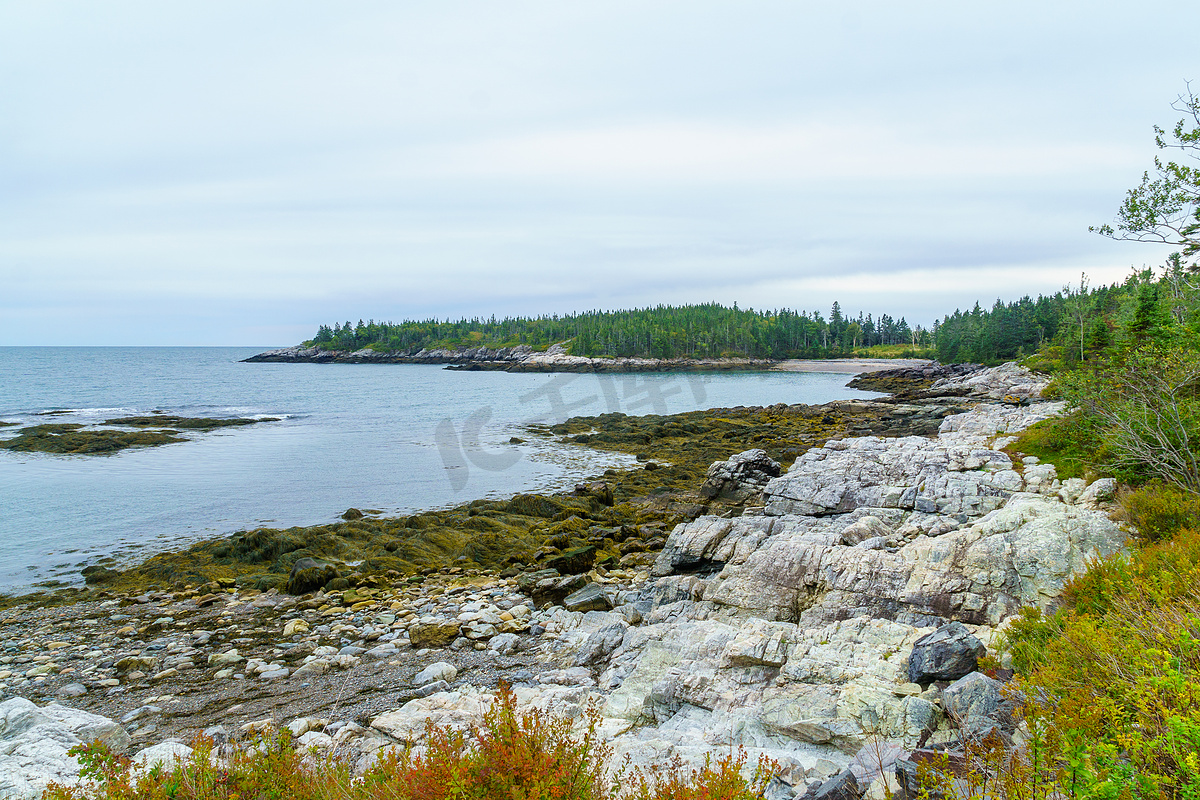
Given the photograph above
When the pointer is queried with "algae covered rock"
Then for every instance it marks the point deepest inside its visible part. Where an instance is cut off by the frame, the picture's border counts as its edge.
(574, 561)
(308, 575)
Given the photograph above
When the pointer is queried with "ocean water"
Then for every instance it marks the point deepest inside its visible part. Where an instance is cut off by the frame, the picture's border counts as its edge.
(396, 438)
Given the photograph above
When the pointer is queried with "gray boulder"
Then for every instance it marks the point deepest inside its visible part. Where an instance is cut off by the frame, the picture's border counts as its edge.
(437, 671)
(843, 786)
(974, 701)
(740, 477)
(947, 654)
(590, 598)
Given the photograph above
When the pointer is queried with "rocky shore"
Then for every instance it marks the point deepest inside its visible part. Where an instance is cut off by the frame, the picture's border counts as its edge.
(843, 616)
(508, 359)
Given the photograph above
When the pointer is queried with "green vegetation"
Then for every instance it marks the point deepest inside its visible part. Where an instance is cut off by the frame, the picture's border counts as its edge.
(1111, 679)
(75, 439)
(694, 331)
(532, 755)
(901, 350)
(1072, 326)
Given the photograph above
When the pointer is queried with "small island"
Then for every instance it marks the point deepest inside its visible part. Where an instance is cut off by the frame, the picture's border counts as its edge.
(70, 438)
(703, 337)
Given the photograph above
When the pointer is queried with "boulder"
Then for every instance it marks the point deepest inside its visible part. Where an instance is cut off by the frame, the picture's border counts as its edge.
(437, 671)
(946, 654)
(597, 489)
(740, 477)
(34, 743)
(308, 575)
(554, 590)
(973, 701)
(573, 562)
(843, 786)
(590, 598)
(165, 754)
(433, 632)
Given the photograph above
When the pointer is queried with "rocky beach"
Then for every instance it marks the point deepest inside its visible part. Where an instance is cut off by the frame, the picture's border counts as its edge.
(521, 358)
(843, 615)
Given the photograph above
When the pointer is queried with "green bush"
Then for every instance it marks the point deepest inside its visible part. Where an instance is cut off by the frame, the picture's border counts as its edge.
(1159, 511)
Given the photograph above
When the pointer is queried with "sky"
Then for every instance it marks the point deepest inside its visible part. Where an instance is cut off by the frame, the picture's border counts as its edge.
(238, 173)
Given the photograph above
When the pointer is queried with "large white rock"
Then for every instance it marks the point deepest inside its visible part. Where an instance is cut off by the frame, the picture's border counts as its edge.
(34, 743)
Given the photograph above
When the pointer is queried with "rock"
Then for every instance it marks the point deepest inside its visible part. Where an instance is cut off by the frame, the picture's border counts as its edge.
(34, 743)
(97, 574)
(505, 643)
(947, 654)
(843, 786)
(218, 734)
(226, 659)
(294, 626)
(71, 690)
(527, 580)
(1100, 491)
(553, 590)
(973, 701)
(437, 671)
(433, 632)
(381, 652)
(794, 566)
(740, 477)
(164, 754)
(429, 689)
(573, 562)
(600, 645)
(590, 598)
(308, 575)
(133, 664)
(456, 710)
(139, 712)
(597, 489)
(865, 529)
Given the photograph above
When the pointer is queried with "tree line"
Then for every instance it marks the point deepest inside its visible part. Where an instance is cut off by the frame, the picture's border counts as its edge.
(708, 330)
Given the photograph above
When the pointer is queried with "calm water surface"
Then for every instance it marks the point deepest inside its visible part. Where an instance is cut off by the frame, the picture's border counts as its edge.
(398, 438)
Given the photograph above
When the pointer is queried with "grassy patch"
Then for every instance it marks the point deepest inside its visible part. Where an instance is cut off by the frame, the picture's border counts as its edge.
(895, 351)
(1072, 443)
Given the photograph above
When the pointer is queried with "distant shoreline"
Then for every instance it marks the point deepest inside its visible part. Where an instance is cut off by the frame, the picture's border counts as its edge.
(556, 359)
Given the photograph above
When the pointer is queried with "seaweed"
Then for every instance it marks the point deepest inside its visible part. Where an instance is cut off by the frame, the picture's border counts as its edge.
(188, 423)
(70, 439)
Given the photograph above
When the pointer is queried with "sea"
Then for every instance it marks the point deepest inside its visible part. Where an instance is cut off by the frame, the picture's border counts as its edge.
(392, 438)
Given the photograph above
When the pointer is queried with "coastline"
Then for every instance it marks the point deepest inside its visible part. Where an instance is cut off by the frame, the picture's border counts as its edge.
(556, 359)
(228, 657)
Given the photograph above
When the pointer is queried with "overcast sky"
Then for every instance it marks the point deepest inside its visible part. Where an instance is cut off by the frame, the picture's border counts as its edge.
(241, 172)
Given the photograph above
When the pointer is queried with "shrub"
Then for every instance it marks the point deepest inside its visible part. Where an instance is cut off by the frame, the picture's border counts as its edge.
(1159, 511)
(1072, 443)
(530, 755)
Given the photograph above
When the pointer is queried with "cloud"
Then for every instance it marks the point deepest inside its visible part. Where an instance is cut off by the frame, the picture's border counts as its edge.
(192, 173)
